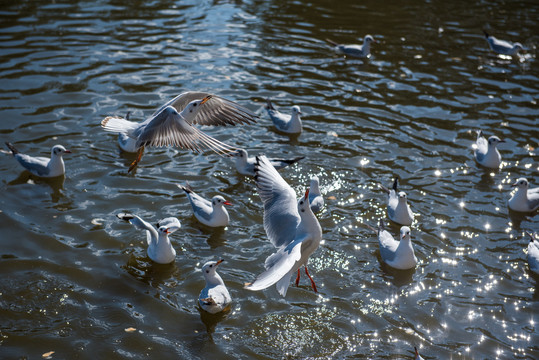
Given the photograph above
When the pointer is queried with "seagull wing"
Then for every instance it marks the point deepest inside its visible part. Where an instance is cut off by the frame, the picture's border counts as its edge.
(168, 127)
(216, 111)
(281, 217)
(36, 165)
(151, 233)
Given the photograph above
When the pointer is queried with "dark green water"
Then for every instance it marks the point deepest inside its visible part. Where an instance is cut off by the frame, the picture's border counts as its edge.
(74, 278)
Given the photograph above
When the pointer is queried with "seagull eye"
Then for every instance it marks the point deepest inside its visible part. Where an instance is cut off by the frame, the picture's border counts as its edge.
(211, 265)
(207, 271)
(301, 202)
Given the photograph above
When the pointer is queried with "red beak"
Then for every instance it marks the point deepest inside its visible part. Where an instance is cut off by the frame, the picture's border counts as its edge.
(67, 152)
(307, 194)
(205, 99)
(220, 261)
(227, 203)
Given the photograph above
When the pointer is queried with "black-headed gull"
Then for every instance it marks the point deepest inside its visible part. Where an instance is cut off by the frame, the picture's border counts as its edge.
(246, 165)
(160, 249)
(291, 227)
(290, 124)
(126, 143)
(533, 254)
(501, 46)
(354, 50)
(210, 213)
(42, 166)
(417, 356)
(397, 254)
(524, 199)
(315, 197)
(172, 123)
(486, 153)
(398, 209)
(214, 297)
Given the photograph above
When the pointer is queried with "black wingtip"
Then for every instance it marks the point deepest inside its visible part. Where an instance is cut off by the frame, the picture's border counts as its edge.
(396, 183)
(486, 34)
(269, 105)
(12, 148)
(187, 187)
(125, 216)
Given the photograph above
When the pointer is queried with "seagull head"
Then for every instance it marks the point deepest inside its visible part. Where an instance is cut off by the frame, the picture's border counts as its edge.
(218, 200)
(296, 110)
(303, 203)
(59, 150)
(402, 196)
(209, 269)
(240, 153)
(369, 39)
(405, 233)
(521, 183)
(494, 140)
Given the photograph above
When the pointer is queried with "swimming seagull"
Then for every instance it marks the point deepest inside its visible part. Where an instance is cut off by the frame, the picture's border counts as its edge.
(417, 356)
(315, 197)
(172, 123)
(533, 254)
(501, 46)
(160, 249)
(290, 124)
(397, 254)
(246, 165)
(214, 297)
(354, 50)
(42, 166)
(291, 227)
(486, 152)
(210, 213)
(524, 199)
(398, 209)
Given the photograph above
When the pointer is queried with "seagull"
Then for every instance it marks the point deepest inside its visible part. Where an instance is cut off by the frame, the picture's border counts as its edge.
(486, 152)
(42, 166)
(214, 297)
(246, 165)
(524, 199)
(533, 254)
(172, 123)
(397, 254)
(315, 197)
(291, 227)
(209, 213)
(398, 209)
(358, 51)
(290, 124)
(160, 249)
(417, 356)
(503, 47)
(126, 143)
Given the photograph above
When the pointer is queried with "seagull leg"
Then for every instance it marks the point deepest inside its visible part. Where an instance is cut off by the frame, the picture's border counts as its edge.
(297, 279)
(137, 160)
(313, 285)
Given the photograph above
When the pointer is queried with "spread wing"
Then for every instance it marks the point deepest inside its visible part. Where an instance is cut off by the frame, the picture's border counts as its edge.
(281, 216)
(216, 111)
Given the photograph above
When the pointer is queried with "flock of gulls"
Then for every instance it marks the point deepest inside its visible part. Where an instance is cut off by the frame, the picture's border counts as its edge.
(290, 223)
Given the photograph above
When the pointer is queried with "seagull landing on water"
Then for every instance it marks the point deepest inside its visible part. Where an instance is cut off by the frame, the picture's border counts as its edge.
(290, 124)
(160, 249)
(486, 153)
(42, 166)
(210, 213)
(503, 47)
(291, 227)
(398, 209)
(214, 297)
(172, 124)
(354, 50)
(246, 165)
(524, 199)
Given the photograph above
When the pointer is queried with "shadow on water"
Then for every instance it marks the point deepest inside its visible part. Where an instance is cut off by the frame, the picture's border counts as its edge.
(56, 183)
(398, 278)
(153, 274)
(212, 320)
(518, 217)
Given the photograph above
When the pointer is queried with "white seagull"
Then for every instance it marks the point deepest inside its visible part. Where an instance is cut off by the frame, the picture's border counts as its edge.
(42, 166)
(246, 165)
(290, 124)
(291, 227)
(354, 50)
(397, 254)
(172, 123)
(160, 249)
(533, 254)
(210, 213)
(524, 199)
(214, 297)
(417, 356)
(315, 197)
(398, 209)
(486, 153)
(501, 46)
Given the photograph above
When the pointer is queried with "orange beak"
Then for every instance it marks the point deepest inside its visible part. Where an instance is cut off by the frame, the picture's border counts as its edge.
(227, 203)
(307, 194)
(220, 261)
(67, 152)
(206, 99)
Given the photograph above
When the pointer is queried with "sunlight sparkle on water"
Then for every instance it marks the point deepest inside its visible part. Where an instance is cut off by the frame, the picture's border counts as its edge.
(462, 204)
(438, 173)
